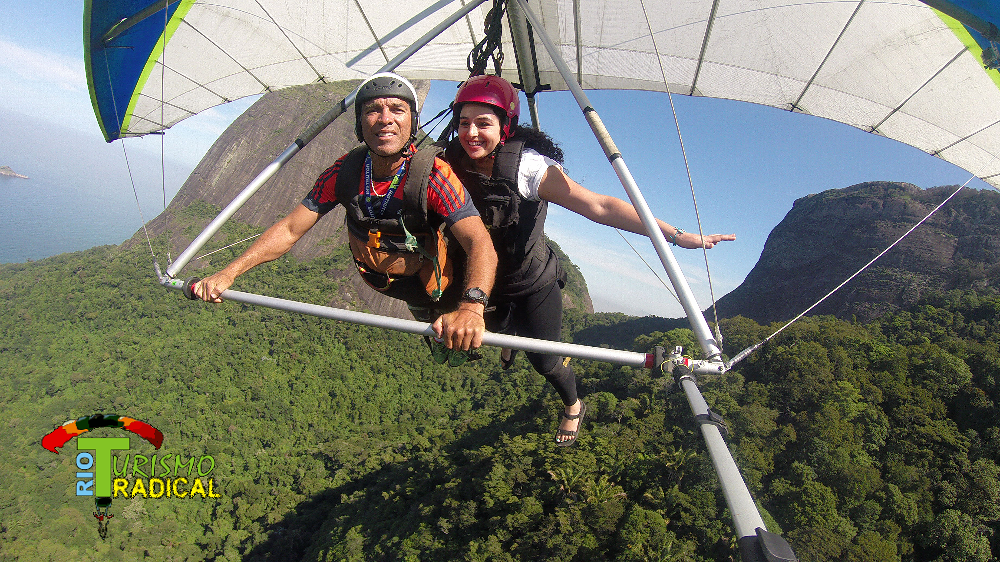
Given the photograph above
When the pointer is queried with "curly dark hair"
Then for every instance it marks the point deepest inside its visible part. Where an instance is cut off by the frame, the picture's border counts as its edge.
(540, 141)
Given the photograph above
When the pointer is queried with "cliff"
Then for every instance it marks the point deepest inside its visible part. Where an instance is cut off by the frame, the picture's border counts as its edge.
(827, 237)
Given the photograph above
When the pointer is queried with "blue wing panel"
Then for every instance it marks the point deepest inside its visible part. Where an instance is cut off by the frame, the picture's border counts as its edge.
(114, 67)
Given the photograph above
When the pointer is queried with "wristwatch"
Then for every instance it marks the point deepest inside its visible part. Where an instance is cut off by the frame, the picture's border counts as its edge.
(475, 294)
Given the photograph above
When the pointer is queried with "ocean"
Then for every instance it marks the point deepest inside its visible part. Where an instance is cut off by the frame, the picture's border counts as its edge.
(78, 193)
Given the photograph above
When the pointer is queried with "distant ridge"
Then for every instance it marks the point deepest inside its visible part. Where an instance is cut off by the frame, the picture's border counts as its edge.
(7, 172)
(828, 236)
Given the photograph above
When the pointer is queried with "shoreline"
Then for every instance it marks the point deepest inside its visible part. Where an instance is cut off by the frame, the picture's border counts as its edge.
(5, 171)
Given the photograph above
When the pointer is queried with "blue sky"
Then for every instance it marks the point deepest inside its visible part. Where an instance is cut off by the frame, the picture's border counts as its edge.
(748, 163)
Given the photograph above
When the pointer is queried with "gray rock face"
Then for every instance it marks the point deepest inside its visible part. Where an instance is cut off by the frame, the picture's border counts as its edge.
(827, 237)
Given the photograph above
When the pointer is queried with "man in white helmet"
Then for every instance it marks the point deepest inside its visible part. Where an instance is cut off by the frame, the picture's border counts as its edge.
(398, 231)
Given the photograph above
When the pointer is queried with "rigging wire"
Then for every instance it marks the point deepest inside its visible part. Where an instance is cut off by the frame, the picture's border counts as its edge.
(687, 169)
(743, 354)
(431, 125)
(163, 167)
(247, 239)
(163, 150)
(643, 260)
(697, 214)
(135, 192)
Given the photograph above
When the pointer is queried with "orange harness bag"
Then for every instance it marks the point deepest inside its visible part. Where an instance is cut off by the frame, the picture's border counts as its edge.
(386, 251)
(380, 267)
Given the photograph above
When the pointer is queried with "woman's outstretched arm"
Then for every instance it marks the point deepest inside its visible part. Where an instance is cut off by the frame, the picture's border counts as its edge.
(560, 189)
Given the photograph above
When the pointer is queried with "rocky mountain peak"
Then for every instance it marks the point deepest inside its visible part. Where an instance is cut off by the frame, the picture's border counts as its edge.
(827, 237)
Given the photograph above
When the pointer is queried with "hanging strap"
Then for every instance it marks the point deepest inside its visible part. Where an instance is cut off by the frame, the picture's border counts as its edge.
(491, 47)
(421, 165)
(421, 168)
(370, 189)
(412, 245)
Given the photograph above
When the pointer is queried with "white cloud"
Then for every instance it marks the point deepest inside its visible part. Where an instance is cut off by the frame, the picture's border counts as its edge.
(52, 87)
(43, 66)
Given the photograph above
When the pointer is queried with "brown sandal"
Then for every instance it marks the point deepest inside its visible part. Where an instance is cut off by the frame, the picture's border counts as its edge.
(571, 434)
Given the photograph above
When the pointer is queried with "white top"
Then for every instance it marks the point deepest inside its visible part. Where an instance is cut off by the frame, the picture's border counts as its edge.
(530, 173)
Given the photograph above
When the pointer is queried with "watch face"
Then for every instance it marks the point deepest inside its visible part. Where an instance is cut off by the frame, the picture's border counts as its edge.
(475, 294)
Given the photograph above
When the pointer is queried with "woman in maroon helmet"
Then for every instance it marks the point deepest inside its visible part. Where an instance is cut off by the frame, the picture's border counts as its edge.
(512, 173)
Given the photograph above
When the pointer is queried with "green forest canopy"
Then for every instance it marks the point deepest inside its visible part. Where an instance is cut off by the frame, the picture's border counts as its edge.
(873, 442)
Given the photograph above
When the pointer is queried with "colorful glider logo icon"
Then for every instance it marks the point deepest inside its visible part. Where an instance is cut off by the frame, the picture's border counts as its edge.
(62, 434)
(94, 474)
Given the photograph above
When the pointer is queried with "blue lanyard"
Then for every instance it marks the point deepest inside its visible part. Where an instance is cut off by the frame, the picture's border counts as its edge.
(369, 189)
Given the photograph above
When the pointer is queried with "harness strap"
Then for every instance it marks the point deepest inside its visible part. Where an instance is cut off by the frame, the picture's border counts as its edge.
(414, 191)
(412, 244)
(412, 218)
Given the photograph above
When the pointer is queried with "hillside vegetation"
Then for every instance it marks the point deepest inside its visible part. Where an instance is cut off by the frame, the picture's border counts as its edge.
(331, 441)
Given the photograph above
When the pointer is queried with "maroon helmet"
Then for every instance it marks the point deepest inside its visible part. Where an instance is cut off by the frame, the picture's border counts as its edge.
(491, 90)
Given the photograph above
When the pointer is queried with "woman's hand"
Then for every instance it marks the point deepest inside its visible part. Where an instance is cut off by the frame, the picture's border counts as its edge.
(691, 241)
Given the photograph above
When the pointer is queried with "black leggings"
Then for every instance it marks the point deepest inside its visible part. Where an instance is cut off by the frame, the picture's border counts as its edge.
(537, 315)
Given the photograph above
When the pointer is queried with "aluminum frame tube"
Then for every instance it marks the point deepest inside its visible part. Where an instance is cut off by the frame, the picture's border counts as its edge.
(699, 326)
(213, 227)
(746, 517)
(518, 28)
(308, 134)
(618, 357)
(527, 69)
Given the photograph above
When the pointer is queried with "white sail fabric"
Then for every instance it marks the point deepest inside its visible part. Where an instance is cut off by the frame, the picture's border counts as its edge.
(897, 69)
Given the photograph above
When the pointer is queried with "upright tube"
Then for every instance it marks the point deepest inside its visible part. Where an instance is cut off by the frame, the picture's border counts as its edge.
(698, 324)
(209, 231)
(746, 518)
(523, 52)
(309, 134)
(756, 543)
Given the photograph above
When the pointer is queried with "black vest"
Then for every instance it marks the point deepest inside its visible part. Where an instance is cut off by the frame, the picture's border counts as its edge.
(419, 273)
(414, 210)
(514, 223)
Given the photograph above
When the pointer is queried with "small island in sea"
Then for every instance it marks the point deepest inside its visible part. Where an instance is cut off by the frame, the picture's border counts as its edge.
(7, 172)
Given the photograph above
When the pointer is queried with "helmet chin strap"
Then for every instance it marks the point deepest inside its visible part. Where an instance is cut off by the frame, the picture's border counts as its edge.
(503, 138)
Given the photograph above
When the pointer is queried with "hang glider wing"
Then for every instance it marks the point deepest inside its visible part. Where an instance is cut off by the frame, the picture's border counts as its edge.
(899, 69)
